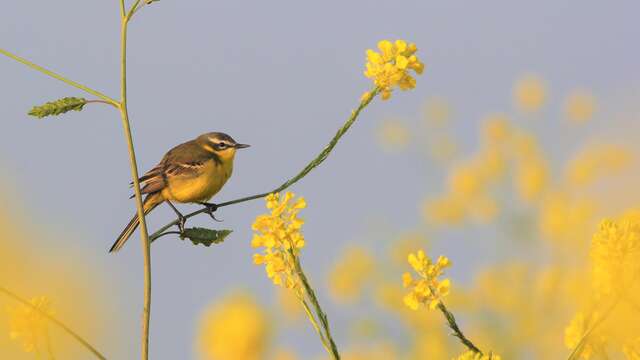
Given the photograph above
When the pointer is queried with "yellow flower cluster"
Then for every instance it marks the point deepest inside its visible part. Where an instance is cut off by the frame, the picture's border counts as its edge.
(632, 350)
(390, 67)
(576, 330)
(427, 288)
(29, 325)
(279, 232)
(470, 355)
(235, 328)
(615, 254)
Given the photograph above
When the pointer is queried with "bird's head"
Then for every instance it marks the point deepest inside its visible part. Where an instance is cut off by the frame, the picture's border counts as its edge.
(220, 144)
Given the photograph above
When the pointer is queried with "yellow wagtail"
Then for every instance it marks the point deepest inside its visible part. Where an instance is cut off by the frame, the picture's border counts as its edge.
(189, 173)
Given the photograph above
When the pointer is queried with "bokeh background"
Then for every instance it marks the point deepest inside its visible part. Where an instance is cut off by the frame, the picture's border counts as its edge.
(520, 137)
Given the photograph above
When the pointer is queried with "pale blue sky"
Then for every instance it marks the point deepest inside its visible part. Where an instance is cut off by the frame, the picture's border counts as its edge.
(281, 76)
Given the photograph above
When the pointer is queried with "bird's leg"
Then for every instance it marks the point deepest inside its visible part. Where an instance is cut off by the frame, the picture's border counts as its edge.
(181, 219)
(211, 208)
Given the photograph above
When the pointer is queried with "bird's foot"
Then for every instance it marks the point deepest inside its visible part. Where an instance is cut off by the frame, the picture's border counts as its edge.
(181, 223)
(210, 209)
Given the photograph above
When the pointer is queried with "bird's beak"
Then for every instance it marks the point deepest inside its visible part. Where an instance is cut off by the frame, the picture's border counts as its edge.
(241, 146)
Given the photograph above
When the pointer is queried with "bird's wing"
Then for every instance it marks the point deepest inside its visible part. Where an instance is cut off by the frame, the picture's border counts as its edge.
(184, 160)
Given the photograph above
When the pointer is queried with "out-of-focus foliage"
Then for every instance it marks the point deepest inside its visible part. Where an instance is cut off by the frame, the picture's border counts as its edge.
(60, 281)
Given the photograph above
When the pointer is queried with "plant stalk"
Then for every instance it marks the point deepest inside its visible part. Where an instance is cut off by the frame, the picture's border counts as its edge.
(144, 234)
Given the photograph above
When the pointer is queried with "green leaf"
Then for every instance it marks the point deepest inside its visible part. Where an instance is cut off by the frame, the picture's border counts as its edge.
(204, 236)
(58, 107)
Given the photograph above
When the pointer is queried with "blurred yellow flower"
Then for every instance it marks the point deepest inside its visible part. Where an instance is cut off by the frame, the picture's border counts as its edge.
(529, 93)
(351, 273)
(235, 328)
(531, 179)
(393, 135)
(470, 355)
(285, 354)
(279, 233)
(576, 330)
(29, 325)
(579, 106)
(496, 128)
(437, 112)
(597, 161)
(427, 289)
(615, 255)
(445, 210)
(632, 350)
(390, 67)
(562, 218)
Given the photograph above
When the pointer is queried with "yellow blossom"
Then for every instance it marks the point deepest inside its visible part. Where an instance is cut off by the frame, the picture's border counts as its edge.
(236, 328)
(393, 135)
(29, 325)
(351, 274)
(580, 106)
(529, 93)
(632, 350)
(280, 234)
(597, 161)
(437, 112)
(390, 67)
(615, 254)
(576, 330)
(427, 289)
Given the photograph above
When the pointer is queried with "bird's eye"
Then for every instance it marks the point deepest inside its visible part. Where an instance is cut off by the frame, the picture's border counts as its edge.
(221, 146)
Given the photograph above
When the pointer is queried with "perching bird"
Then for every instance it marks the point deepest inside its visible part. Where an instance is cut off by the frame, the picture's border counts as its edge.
(189, 173)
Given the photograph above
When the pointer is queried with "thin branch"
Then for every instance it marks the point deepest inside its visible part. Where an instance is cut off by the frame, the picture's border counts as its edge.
(60, 77)
(133, 9)
(324, 321)
(144, 234)
(306, 170)
(57, 322)
(451, 320)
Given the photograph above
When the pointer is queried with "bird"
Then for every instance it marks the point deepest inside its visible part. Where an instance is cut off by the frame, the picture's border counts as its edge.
(192, 172)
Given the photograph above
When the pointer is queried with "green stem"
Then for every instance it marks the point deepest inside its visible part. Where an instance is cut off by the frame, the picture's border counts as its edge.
(144, 234)
(306, 170)
(451, 320)
(324, 321)
(60, 77)
(55, 321)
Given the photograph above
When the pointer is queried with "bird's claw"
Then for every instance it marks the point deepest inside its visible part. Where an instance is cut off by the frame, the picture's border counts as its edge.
(181, 223)
(210, 209)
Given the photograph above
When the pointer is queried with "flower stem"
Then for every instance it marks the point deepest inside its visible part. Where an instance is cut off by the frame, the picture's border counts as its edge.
(144, 234)
(306, 170)
(325, 335)
(37, 67)
(57, 322)
(451, 320)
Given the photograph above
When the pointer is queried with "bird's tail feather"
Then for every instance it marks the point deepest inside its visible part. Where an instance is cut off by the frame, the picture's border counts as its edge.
(150, 202)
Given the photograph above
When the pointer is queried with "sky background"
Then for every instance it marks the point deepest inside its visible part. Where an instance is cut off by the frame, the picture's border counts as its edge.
(281, 76)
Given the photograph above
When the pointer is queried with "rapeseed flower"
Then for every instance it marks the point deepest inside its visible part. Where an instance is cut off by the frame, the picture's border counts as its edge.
(427, 288)
(280, 234)
(390, 67)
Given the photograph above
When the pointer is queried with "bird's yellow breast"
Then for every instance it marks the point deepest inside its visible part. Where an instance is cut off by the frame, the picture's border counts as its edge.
(200, 187)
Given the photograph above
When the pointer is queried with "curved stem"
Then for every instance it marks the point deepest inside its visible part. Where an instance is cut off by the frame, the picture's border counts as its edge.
(144, 234)
(37, 67)
(306, 170)
(57, 322)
